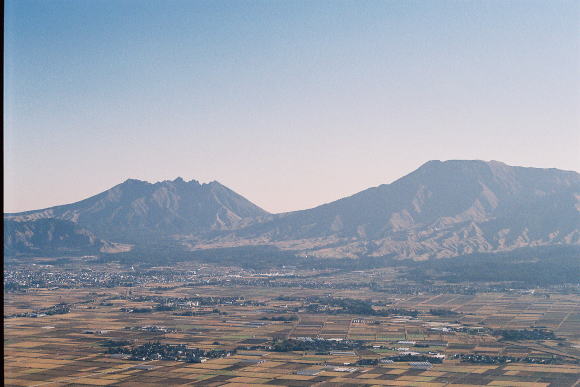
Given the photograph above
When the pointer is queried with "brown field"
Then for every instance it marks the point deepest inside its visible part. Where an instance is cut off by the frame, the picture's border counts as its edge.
(54, 351)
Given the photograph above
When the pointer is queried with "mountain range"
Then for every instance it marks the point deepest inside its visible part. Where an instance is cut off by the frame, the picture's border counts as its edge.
(442, 209)
(136, 210)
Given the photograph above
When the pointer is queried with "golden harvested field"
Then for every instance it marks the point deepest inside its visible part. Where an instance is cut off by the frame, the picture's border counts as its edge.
(68, 349)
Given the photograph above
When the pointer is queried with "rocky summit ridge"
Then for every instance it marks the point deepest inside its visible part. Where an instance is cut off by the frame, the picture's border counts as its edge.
(442, 209)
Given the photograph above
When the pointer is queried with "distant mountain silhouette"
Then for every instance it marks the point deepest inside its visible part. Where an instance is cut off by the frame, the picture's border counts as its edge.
(136, 210)
(443, 209)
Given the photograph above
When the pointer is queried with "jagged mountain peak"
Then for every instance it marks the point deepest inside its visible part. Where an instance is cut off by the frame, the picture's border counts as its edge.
(136, 210)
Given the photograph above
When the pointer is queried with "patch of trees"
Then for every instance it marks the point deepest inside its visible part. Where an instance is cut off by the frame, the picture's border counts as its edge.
(196, 312)
(115, 343)
(352, 306)
(137, 310)
(443, 312)
(173, 352)
(61, 308)
(166, 307)
(486, 359)
(56, 309)
(419, 358)
(317, 345)
(525, 334)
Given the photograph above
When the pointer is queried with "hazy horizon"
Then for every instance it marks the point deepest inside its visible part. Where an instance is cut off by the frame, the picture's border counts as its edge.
(290, 104)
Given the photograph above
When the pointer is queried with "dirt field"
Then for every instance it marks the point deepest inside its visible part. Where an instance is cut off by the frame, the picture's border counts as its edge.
(67, 349)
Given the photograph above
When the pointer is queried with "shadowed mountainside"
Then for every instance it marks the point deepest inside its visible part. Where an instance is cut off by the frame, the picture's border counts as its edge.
(52, 236)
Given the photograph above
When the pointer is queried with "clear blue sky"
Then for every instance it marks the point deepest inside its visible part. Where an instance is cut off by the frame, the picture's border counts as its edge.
(290, 103)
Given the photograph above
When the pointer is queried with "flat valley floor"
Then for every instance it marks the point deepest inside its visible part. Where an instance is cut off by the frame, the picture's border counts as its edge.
(227, 309)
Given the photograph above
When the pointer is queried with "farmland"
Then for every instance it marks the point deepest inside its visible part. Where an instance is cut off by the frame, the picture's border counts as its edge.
(212, 326)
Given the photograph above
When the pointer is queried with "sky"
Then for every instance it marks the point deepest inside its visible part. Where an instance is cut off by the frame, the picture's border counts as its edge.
(289, 103)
